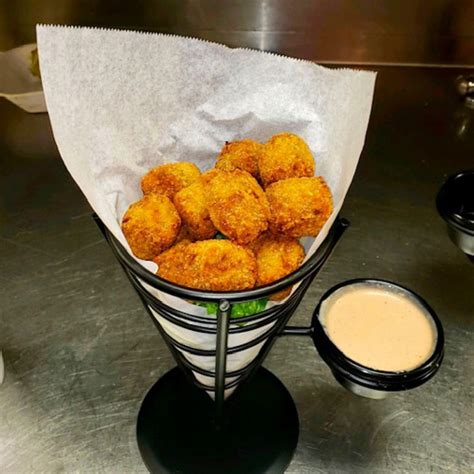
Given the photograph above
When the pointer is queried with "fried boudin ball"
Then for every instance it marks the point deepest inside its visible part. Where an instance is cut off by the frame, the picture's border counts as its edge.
(192, 207)
(151, 225)
(216, 265)
(169, 179)
(299, 206)
(237, 204)
(277, 256)
(285, 156)
(242, 155)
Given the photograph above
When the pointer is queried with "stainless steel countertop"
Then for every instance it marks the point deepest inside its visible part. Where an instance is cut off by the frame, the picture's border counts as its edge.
(81, 353)
(362, 31)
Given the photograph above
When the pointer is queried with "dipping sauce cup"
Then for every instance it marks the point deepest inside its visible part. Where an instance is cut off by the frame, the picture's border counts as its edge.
(455, 203)
(376, 326)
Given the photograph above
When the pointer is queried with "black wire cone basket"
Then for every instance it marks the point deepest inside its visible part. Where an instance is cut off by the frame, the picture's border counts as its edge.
(180, 428)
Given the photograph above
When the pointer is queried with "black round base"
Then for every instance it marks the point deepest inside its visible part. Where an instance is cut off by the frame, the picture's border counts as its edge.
(176, 430)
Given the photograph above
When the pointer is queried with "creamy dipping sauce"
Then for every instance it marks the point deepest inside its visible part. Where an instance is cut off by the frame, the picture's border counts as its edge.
(378, 327)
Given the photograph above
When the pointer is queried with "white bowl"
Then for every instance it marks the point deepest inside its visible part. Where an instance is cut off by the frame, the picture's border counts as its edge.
(17, 83)
(2, 372)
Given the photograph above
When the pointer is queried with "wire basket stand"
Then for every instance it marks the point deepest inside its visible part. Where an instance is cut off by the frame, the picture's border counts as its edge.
(180, 428)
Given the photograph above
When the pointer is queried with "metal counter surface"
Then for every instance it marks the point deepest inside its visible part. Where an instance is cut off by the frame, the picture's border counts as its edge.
(80, 352)
(362, 31)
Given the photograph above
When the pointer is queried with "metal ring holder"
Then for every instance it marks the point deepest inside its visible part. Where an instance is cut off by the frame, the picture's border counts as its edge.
(179, 428)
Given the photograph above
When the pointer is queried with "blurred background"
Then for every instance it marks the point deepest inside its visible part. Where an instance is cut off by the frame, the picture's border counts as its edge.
(436, 32)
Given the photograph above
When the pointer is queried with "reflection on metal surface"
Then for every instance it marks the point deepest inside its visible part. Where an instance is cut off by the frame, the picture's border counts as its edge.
(363, 31)
(469, 101)
(462, 123)
(465, 87)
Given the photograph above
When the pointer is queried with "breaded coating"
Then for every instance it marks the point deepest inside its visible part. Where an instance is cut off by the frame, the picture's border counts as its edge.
(151, 225)
(216, 265)
(192, 207)
(169, 179)
(240, 155)
(281, 295)
(277, 256)
(237, 204)
(299, 206)
(184, 236)
(285, 156)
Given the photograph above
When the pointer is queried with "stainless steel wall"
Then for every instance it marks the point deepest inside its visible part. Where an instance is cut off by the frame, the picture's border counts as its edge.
(347, 31)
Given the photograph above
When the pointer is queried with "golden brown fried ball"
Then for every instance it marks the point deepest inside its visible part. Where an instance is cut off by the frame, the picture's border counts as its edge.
(299, 206)
(242, 155)
(285, 156)
(169, 179)
(277, 256)
(192, 207)
(237, 204)
(151, 225)
(216, 265)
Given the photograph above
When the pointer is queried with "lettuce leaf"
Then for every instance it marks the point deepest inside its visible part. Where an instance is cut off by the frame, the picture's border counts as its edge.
(239, 310)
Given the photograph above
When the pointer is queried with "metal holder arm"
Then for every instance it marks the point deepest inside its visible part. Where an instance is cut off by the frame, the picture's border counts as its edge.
(297, 331)
(223, 320)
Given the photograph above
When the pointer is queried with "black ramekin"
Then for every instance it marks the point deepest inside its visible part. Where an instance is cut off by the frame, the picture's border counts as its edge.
(455, 203)
(366, 381)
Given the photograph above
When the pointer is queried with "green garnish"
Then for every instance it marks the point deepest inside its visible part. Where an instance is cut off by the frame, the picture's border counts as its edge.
(239, 310)
(220, 236)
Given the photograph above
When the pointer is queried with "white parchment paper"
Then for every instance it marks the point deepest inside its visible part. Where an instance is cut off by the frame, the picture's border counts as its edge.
(122, 102)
